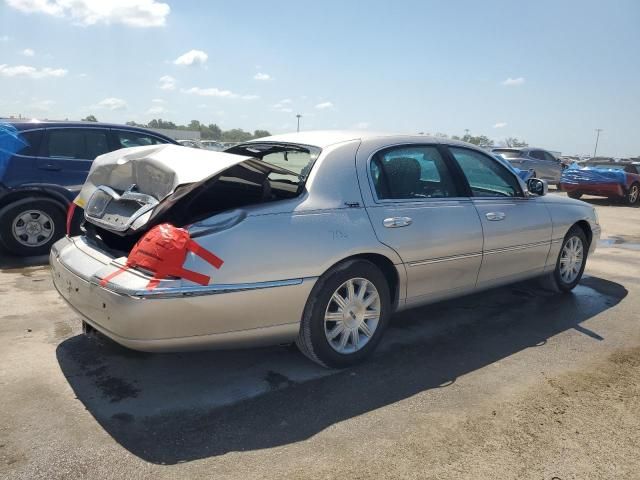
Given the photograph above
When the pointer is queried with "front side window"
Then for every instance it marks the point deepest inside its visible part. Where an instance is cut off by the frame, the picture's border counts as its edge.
(537, 154)
(411, 172)
(486, 176)
(135, 139)
(75, 143)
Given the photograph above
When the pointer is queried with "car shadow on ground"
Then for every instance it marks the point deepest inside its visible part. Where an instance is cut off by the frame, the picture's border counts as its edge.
(608, 202)
(171, 408)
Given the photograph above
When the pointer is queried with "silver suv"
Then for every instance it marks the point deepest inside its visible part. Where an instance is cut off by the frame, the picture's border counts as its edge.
(543, 163)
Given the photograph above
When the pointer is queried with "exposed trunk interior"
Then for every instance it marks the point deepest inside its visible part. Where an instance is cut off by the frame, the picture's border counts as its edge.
(248, 183)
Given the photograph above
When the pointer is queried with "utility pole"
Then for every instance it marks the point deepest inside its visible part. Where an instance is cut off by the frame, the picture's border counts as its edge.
(298, 116)
(598, 130)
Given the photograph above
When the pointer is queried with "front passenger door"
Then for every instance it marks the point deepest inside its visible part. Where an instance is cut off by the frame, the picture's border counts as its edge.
(517, 228)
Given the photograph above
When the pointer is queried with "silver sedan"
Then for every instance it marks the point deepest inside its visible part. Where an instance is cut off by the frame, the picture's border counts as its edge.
(315, 237)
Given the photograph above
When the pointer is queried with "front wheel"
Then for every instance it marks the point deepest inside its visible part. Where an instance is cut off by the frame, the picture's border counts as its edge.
(633, 195)
(571, 259)
(346, 315)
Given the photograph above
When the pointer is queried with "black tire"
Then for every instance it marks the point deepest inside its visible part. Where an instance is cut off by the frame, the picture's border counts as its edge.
(633, 195)
(576, 195)
(10, 213)
(312, 340)
(567, 286)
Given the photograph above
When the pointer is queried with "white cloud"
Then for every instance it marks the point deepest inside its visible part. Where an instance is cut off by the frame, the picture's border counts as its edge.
(216, 92)
(134, 13)
(324, 105)
(4, 38)
(167, 83)
(286, 101)
(192, 58)
(262, 76)
(83, 75)
(28, 52)
(31, 72)
(362, 125)
(512, 82)
(112, 103)
(41, 106)
(156, 110)
(158, 100)
(500, 125)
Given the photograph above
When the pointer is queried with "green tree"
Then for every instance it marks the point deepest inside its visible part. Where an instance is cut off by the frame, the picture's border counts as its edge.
(480, 140)
(89, 118)
(514, 142)
(261, 134)
(236, 135)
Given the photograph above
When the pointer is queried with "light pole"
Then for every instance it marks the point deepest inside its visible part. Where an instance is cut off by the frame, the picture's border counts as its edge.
(598, 130)
(298, 116)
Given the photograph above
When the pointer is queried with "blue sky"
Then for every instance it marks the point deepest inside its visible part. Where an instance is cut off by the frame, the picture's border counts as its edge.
(546, 71)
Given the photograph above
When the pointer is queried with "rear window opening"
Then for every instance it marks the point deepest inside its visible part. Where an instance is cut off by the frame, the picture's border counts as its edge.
(277, 172)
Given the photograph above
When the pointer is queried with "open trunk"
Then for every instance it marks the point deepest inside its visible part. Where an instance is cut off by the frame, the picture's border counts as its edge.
(129, 191)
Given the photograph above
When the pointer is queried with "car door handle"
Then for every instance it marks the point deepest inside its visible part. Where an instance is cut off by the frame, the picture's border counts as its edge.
(50, 166)
(495, 216)
(395, 222)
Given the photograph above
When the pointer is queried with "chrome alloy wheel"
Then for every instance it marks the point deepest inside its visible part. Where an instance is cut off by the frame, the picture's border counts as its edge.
(634, 193)
(352, 316)
(571, 259)
(33, 228)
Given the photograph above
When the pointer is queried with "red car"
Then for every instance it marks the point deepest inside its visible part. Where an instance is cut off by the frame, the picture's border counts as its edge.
(619, 180)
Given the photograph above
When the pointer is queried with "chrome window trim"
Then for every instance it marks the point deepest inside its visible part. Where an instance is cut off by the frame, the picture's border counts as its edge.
(403, 201)
(116, 129)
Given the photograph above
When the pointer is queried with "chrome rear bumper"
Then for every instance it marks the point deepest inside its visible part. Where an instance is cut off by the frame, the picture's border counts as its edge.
(176, 319)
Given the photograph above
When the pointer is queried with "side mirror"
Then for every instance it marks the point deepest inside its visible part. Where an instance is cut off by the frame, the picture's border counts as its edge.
(537, 186)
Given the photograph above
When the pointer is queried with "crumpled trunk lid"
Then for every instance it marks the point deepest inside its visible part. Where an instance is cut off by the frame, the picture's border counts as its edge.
(125, 189)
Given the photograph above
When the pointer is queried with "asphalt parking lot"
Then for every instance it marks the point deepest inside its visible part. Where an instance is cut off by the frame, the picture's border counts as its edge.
(517, 382)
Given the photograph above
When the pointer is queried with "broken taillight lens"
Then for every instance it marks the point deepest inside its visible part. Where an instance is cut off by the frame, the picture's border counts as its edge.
(70, 212)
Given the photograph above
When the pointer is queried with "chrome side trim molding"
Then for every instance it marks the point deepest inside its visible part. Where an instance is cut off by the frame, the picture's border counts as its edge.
(443, 259)
(196, 291)
(472, 255)
(518, 247)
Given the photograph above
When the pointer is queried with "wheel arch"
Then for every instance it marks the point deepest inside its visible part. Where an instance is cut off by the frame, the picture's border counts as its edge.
(386, 266)
(586, 228)
(58, 199)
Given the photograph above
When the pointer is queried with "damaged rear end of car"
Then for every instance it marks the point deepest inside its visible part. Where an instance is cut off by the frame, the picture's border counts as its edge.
(167, 257)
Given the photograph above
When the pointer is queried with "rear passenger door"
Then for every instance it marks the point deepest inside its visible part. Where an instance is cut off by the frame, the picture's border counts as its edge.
(517, 228)
(68, 154)
(417, 208)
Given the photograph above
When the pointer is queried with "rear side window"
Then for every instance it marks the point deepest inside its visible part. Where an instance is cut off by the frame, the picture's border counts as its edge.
(411, 172)
(32, 140)
(75, 143)
(134, 139)
(487, 177)
(537, 154)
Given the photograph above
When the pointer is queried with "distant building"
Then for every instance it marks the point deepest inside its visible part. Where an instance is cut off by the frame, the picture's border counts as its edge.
(178, 134)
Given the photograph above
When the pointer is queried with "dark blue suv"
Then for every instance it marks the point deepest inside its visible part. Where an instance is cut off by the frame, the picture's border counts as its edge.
(42, 168)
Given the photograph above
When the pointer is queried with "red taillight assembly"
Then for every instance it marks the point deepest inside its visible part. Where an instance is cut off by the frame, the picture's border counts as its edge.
(70, 212)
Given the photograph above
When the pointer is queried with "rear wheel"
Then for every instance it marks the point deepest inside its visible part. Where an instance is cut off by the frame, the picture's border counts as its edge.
(571, 259)
(346, 315)
(633, 195)
(31, 225)
(575, 195)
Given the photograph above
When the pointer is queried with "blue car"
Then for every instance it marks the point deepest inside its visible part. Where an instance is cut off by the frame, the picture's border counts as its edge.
(42, 168)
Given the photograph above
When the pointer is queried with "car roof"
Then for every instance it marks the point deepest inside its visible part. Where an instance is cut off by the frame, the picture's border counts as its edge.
(325, 138)
(31, 124)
